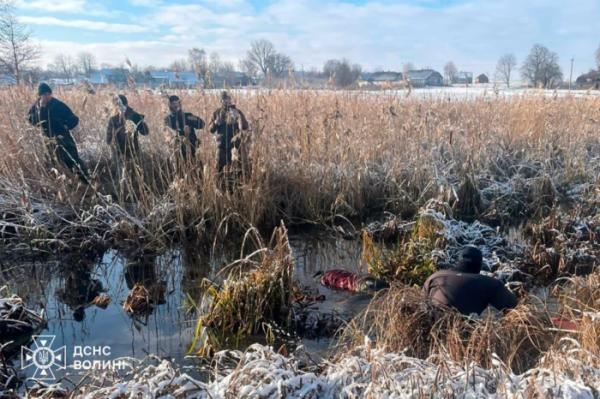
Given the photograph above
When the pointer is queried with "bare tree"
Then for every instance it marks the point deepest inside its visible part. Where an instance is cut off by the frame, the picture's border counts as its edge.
(280, 64)
(262, 58)
(214, 63)
(341, 72)
(17, 50)
(87, 63)
(197, 60)
(260, 55)
(249, 68)
(65, 66)
(506, 64)
(541, 67)
(450, 71)
(598, 58)
(179, 66)
(227, 67)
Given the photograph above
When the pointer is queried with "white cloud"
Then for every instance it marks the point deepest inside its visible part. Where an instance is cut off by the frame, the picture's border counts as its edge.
(150, 52)
(84, 24)
(145, 3)
(472, 33)
(68, 6)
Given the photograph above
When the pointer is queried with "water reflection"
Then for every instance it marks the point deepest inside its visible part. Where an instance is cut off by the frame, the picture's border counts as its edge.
(79, 286)
(66, 287)
(147, 288)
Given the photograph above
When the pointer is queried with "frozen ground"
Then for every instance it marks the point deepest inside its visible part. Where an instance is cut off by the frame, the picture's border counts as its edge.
(365, 373)
(453, 93)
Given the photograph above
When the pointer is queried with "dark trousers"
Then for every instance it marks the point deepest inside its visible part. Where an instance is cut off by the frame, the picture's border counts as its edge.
(65, 152)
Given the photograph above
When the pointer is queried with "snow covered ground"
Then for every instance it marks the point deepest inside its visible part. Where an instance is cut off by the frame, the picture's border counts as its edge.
(450, 93)
(366, 373)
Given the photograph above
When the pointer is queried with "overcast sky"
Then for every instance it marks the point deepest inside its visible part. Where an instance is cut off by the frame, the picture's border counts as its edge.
(377, 34)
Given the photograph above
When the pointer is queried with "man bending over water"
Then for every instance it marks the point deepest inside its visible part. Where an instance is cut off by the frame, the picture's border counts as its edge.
(464, 289)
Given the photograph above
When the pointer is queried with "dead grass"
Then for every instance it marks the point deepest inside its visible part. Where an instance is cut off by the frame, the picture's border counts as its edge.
(315, 155)
(248, 303)
(400, 320)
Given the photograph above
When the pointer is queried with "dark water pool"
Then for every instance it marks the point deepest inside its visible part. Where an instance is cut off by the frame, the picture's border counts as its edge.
(62, 288)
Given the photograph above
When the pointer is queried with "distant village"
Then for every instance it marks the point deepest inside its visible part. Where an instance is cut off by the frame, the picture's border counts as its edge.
(382, 80)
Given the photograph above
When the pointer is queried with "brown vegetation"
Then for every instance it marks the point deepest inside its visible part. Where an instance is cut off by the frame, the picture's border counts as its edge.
(314, 155)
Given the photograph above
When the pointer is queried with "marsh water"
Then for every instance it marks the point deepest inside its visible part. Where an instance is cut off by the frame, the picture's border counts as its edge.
(62, 288)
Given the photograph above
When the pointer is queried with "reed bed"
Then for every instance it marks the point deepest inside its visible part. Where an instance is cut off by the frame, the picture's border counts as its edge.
(248, 304)
(314, 156)
(451, 172)
(400, 320)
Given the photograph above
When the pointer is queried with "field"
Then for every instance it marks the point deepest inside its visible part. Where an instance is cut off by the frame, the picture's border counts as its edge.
(410, 177)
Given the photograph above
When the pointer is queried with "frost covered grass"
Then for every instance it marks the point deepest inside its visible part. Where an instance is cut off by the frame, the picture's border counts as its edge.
(365, 372)
(315, 156)
(400, 320)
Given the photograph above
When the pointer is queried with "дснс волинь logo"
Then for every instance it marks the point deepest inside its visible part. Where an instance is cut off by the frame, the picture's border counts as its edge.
(43, 358)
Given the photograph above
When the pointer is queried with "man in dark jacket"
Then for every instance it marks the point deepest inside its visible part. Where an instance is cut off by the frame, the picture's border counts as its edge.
(185, 125)
(227, 122)
(56, 120)
(123, 138)
(465, 289)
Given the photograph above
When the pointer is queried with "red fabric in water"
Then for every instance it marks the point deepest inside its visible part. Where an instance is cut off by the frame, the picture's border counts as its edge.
(564, 324)
(340, 280)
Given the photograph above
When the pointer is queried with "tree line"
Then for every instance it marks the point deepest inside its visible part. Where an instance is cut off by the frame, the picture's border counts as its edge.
(18, 54)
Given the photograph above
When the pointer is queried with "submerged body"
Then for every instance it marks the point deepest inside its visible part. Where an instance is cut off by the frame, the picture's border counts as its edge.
(347, 281)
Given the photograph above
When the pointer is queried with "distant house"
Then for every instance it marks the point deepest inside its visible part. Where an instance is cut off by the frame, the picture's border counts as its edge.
(482, 79)
(381, 79)
(106, 76)
(223, 80)
(463, 78)
(7, 80)
(425, 78)
(180, 80)
(308, 79)
(590, 80)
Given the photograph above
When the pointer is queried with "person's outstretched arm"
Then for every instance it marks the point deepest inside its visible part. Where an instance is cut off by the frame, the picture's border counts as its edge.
(503, 299)
(195, 121)
(140, 124)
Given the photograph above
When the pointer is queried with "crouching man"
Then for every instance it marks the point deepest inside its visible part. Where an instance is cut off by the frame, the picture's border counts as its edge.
(464, 289)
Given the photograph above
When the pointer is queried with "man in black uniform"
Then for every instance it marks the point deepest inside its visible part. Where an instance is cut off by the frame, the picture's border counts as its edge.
(185, 125)
(464, 289)
(123, 139)
(227, 122)
(56, 121)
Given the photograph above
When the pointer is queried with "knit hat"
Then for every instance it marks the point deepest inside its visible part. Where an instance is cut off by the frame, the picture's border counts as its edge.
(43, 88)
(172, 99)
(470, 260)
